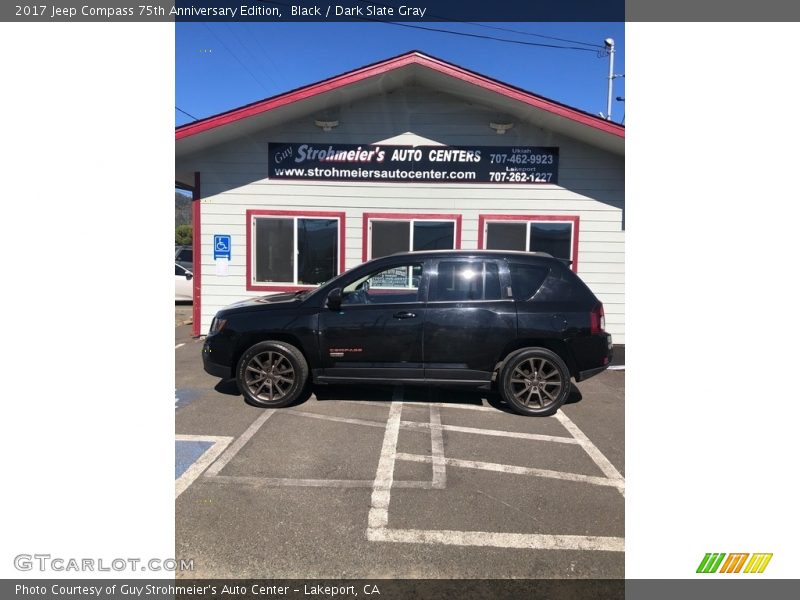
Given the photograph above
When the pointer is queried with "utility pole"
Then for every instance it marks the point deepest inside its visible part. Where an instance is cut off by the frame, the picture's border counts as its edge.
(609, 42)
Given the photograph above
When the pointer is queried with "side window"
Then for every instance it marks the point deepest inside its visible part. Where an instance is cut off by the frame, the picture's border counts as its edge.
(562, 285)
(526, 279)
(464, 281)
(398, 284)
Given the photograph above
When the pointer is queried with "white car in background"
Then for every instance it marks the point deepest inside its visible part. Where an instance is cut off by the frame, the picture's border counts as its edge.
(183, 284)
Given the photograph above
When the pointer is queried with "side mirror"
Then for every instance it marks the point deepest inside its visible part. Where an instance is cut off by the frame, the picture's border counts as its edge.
(189, 276)
(334, 301)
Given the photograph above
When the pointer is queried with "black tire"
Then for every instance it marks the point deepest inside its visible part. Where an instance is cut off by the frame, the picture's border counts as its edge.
(272, 374)
(534, 382)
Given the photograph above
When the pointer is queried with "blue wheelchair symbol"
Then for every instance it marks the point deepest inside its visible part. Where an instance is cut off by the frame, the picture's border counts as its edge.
(222, 246)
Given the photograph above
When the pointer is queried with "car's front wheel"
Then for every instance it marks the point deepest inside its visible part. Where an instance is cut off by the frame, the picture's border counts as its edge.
(272, 374)
(535, 381)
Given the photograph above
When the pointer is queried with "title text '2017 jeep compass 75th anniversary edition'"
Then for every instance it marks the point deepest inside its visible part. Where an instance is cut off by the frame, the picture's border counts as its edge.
(521, 323)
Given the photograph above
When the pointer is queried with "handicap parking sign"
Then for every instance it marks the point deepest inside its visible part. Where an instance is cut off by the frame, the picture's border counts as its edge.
(222, 246)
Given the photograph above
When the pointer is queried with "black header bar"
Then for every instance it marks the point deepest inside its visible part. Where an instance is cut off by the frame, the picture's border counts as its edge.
(408, 11)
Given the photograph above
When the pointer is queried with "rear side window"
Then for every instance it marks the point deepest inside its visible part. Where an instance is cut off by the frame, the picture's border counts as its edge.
(526, 279)
(562, 285)
(465, 281)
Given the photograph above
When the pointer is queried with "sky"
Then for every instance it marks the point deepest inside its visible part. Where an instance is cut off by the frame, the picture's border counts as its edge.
(220, 66)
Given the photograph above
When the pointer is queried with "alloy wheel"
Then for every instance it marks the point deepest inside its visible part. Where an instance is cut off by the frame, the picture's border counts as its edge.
(269, 376)
(536, 379)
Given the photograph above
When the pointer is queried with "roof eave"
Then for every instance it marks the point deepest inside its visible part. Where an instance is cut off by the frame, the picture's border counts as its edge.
(388, 65)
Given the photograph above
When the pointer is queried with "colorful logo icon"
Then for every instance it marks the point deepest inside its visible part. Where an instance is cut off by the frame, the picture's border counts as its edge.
(733, 564)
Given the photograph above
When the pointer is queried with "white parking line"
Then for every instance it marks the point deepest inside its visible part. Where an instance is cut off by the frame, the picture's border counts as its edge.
(593, 451)
(179, 345)
(454, 405)
(437, 450)
(377, 527)
(381, 487)
(194, 471)
(423, 405)
(495, 432)
(239, 443)
(363, 402)
(436, 426)
(513, 469)
(530, 541)
(302, 413)
(258, 482)
(212, 474)
(378, 517)
(616, 368)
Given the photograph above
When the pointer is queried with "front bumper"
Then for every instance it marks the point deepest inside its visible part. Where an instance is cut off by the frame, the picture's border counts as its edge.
(212, 368)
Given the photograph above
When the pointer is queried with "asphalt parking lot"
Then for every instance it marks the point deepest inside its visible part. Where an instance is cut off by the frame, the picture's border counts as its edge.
(392, 482)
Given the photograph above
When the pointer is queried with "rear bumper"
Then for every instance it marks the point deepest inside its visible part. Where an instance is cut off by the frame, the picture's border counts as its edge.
(603, 358)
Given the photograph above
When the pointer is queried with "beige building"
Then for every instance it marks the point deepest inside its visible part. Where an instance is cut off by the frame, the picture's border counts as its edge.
(410, 153)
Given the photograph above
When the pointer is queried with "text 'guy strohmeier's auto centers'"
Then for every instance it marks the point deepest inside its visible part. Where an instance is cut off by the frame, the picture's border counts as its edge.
(411, 153)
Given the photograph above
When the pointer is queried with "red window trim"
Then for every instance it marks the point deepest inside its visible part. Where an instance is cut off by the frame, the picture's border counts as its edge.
(574, 219)
(268, 287)
(405, 217)
(196, 262)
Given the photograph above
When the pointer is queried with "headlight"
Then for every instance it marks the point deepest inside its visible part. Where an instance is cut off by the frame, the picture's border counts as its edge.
(217, 325)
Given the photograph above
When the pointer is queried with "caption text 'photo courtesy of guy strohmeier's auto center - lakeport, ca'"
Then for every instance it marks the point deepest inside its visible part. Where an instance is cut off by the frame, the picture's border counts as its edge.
(404, 351)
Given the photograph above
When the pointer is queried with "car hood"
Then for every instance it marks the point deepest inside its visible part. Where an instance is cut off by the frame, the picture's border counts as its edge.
(282, 300)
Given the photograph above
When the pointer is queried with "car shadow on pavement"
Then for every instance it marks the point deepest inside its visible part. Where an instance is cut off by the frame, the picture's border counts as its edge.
(574, 395)
(227, 387)
(388, 393)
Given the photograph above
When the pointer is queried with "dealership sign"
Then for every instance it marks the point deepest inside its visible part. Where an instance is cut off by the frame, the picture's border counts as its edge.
(414, 164)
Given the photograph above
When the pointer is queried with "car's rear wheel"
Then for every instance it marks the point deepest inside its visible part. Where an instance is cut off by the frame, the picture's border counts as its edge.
(272, 374)
(535, 381)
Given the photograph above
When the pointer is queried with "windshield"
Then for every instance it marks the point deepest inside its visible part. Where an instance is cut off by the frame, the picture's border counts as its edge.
(329, 282)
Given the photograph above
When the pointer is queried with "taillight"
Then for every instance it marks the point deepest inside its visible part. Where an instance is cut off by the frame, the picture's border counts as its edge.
(597, 318)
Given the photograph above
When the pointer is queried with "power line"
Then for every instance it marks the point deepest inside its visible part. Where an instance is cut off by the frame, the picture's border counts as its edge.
(539, 35)
(260, 63)
(244, 66)
(249, 29)
(485, 37)
(187, 114)
(459, 33)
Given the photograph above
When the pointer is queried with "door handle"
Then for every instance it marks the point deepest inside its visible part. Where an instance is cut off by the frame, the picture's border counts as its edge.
(404, 315)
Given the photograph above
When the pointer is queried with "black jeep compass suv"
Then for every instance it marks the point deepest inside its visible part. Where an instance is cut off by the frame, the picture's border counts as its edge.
(521, 323)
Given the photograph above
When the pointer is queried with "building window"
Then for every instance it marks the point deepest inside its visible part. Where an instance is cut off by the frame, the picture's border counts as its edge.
(555, 235)
(292, 249)
(386, 234)
(392, 285)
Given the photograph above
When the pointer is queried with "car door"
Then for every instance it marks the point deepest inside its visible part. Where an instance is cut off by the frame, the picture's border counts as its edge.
(470, 318)
(376, 333)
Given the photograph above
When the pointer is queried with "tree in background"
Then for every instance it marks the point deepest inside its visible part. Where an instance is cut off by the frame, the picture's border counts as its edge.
(183, 235)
